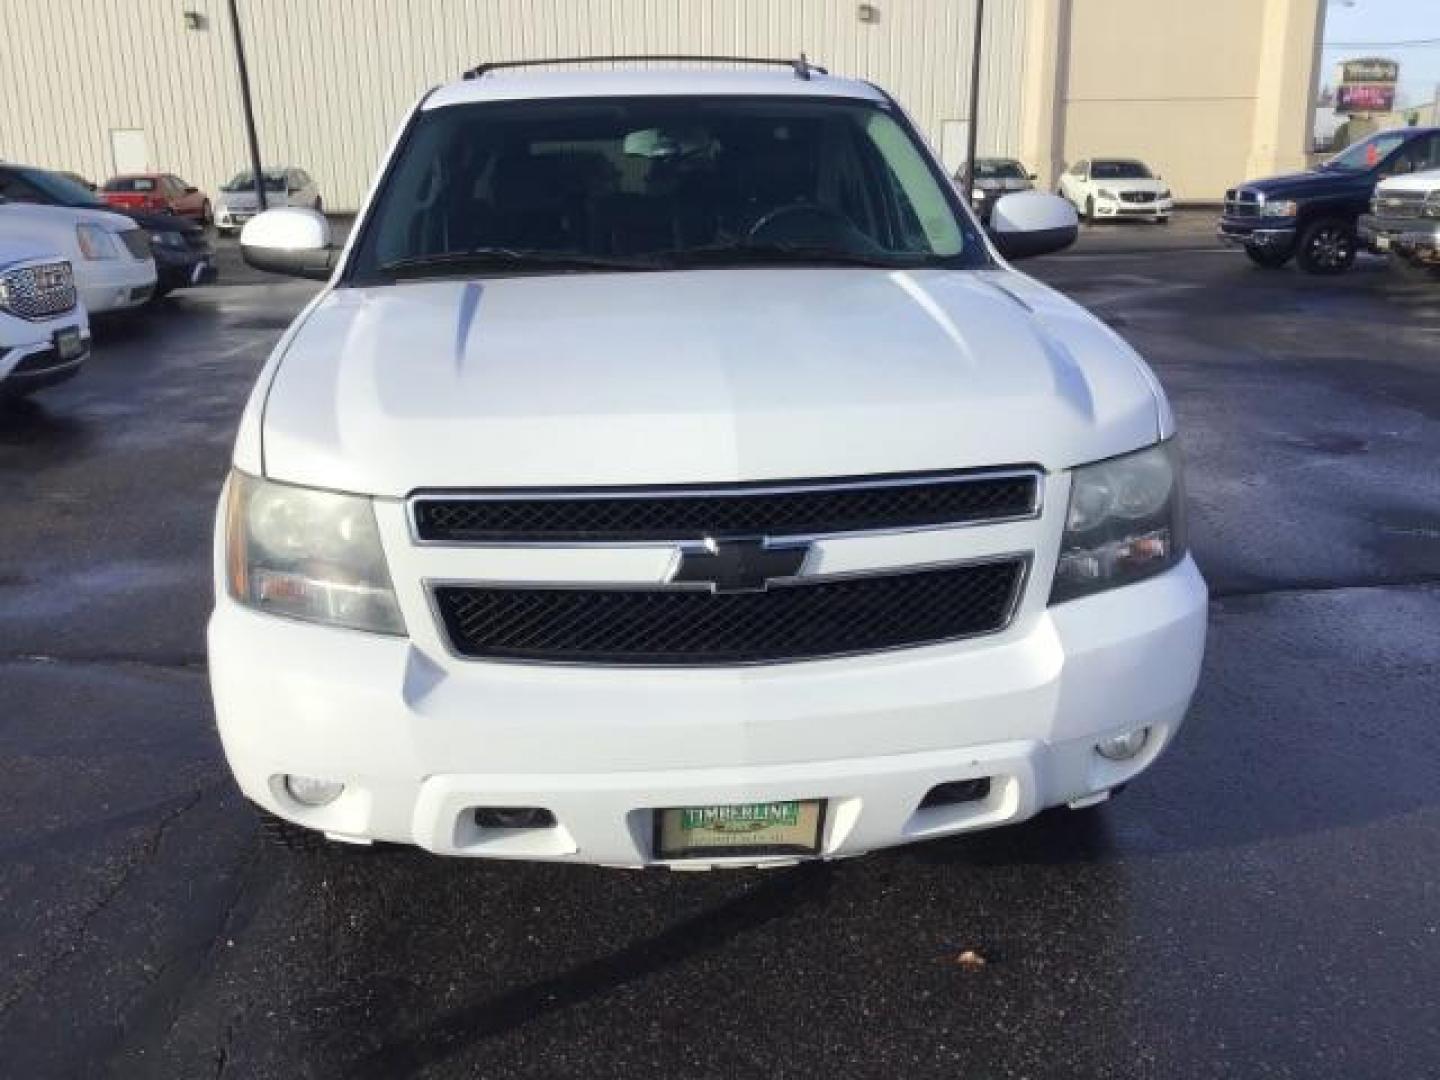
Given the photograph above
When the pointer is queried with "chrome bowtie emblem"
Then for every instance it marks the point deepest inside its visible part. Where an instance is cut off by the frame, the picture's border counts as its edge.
(743, 564)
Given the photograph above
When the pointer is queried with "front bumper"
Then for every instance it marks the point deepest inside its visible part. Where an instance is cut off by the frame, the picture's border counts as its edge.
(179, 268)
(30, 365)
(420, 740)
(1275, 233)
(1120, 209)
(1409, 237)
(115, 284)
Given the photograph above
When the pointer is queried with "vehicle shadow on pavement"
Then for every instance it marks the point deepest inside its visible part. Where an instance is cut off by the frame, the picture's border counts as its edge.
(780, 895)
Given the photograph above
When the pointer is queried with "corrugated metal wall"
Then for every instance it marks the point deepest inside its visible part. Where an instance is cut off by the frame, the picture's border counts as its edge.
(332, 78)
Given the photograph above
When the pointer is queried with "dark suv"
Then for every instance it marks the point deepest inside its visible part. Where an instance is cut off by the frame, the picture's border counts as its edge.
(1312, 215)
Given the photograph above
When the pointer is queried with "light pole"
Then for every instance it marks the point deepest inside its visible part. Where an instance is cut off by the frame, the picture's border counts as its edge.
(248, 107)
(974, 102)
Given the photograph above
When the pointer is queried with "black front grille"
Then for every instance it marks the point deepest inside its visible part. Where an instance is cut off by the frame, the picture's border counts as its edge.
(617, 514)
(790, 621)
(1137, 196)
(1240, 203)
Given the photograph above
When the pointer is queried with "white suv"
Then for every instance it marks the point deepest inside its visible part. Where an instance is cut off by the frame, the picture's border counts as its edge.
(672, 473)
(44, 331)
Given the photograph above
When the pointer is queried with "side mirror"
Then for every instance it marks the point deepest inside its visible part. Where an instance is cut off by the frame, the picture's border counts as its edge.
(1029, 223)
(291, 241)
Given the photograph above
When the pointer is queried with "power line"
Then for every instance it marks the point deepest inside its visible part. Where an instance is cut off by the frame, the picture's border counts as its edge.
(1413, 43)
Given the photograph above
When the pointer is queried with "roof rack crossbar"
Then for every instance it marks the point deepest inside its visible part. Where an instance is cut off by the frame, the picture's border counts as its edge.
(801, 66)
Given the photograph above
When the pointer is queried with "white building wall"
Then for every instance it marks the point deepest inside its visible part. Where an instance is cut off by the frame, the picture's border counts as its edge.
(332, 78)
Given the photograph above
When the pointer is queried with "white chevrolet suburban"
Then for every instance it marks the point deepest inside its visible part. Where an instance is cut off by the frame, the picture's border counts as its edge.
(1404, 220)
(673, 473)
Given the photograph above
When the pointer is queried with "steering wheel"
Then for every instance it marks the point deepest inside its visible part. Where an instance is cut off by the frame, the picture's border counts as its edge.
(819, 215)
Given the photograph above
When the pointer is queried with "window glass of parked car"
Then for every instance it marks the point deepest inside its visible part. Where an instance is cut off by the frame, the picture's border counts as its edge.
(130, 183)
(244, 181)
(1119, 170)
(999, 170)
(703, 181)
(42, 186)
(1367, 153)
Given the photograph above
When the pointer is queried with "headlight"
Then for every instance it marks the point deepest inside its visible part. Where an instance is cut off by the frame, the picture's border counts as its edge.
(307, 554)
(977, 193)
(1164, 193)
(167, 239)
(1106, 193)
(96, 242)
(1283, 208)
(1126, 521)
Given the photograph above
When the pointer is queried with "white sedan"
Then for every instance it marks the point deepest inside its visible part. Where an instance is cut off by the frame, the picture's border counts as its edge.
(1115, 188)
(108, 253)
(285, 186)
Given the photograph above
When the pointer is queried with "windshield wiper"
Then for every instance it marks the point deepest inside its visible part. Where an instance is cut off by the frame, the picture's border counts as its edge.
(811, 254)
(489, 258)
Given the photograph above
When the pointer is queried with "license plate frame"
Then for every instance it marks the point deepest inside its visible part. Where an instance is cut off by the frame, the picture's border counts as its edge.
(737, 833)
(69, 345)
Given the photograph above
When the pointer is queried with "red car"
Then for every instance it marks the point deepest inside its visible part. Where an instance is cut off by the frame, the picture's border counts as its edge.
(157, 193)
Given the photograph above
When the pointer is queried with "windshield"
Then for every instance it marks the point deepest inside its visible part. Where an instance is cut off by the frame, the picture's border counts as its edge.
(1118, 170)
(130, 183)
(1366, 154)
(61, 190)
(244, 181)
(999, 170)
(659, 183)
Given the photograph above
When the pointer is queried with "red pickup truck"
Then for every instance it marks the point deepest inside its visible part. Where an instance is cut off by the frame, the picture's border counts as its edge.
(158, 193)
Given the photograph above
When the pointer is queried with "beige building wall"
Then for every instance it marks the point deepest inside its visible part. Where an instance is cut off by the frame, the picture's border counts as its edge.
(332, 78)
(1206, 93)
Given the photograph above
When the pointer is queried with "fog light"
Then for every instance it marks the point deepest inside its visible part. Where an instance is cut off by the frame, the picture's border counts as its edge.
(514, 817)
(1123, 747)
(308, 791)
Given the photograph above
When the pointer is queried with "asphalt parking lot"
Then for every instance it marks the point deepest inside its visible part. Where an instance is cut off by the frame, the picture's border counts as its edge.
(1264, 903)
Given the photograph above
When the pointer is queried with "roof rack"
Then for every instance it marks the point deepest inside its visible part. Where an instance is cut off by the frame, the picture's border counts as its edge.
(801, 66)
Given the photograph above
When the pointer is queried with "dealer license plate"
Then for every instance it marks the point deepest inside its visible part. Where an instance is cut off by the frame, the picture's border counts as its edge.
(68, 343)
(767, 828)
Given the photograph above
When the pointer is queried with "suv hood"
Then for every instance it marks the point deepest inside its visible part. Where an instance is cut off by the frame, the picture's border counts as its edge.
(16, 250)
(1426, 181)
(1315, 181)
(697, 377)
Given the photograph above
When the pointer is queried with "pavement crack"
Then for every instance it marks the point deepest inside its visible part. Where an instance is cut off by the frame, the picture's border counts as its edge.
(188, 662)
(1260, 591)
(148, 848)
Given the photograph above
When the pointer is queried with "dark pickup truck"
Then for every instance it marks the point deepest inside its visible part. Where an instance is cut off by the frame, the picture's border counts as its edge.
(1312, 216)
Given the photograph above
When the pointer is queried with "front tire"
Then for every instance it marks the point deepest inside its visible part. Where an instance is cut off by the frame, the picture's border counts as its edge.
(1268, 258)
(1327, 246)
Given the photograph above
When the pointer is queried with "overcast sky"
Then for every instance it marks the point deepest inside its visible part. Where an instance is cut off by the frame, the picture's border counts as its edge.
(1387, 21)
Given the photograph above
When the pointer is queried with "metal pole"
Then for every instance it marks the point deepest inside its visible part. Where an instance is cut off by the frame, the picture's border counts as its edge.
(249, 108)
(974, 102)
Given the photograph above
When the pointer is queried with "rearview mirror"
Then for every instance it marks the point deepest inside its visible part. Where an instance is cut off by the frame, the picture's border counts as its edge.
(1029, 223)
(289, 240)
